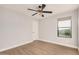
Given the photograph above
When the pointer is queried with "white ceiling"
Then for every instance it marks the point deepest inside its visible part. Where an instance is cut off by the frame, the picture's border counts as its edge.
(56, 8)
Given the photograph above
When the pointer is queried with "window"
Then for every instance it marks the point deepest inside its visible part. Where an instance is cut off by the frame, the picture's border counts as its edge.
(64, 27)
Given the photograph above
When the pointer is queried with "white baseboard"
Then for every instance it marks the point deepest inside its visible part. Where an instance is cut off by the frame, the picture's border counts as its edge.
(15, 46)
(71, 46)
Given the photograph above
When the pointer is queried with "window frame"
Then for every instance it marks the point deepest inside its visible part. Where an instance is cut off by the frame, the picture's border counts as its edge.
(62, 19)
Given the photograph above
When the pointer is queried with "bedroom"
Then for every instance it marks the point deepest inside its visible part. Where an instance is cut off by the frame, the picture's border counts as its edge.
(36, 35)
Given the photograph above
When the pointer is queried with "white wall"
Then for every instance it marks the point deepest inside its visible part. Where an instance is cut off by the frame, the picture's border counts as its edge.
(48, 29)
(15, 28)
(78, 28)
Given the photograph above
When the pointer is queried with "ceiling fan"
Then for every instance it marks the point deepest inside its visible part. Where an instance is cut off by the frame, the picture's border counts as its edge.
(40, 10)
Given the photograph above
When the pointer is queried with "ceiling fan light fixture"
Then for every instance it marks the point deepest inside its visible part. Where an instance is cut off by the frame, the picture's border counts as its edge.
(40, 10)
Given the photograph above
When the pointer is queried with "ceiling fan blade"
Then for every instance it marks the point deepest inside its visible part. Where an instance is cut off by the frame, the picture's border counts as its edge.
(32, 9)
(43, 6)
(34, 14)
(47, 11)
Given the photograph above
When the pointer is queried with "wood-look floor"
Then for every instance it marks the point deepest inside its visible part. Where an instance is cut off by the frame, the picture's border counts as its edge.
(41, 48)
